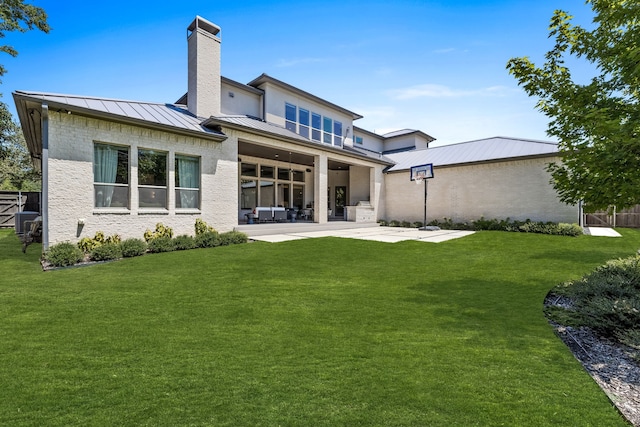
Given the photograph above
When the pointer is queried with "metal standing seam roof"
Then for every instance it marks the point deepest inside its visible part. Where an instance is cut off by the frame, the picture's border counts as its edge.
(173, 116)
(165, 115)
(482, 150)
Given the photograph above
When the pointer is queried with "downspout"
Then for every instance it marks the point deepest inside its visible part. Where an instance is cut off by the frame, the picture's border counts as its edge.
(44, 123)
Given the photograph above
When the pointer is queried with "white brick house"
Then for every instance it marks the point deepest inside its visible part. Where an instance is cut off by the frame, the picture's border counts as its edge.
(226, 148)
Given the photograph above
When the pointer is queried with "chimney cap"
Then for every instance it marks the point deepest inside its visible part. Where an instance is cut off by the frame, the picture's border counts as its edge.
(200, 22)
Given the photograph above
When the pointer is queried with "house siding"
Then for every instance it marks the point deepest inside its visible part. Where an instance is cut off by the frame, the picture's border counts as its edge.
(517, 189)
(70, 174)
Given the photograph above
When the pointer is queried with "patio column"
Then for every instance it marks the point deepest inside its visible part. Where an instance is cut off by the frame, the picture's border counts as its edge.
(375, 191)
(321, 183)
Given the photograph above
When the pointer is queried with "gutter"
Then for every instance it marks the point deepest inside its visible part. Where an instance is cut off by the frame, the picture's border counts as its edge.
(44, 122)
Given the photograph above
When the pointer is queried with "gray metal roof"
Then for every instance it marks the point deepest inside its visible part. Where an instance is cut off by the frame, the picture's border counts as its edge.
(482, 150)
(403, 132)
(175, 117)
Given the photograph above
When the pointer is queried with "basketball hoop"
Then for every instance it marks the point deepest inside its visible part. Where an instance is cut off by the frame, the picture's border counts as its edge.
(418, 180)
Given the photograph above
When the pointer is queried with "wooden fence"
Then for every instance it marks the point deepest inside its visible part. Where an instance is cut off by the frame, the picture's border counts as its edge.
(629, 218)
(14, 201)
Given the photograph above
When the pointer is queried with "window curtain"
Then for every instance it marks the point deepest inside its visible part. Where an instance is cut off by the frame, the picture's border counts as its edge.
(188, 177)
(105, 170)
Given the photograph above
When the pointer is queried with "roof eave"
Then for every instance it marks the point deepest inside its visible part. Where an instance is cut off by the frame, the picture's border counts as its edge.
(88, 112)
(265, 78)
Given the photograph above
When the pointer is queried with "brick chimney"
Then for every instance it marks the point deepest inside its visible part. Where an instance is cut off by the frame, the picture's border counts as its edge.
(203, 96)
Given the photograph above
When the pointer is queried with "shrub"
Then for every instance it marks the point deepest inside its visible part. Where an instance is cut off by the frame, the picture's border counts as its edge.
(208, 239)
(160, 231)
(184, 242)
(161, 244)
(106, 252)
(63, 254)
(405, 224)
(569, 230)
(232, 238)
(608, 300)
(418, 224)
(202, 227)
(383, 223)
(87, 244)
(394, 223)
(133, 247)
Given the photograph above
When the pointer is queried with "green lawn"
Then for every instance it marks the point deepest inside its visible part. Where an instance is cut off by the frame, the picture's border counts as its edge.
(318, 332)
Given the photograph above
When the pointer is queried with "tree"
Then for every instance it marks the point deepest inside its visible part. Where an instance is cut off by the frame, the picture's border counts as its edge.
(597, 123)
(17, 16)
(16, 172)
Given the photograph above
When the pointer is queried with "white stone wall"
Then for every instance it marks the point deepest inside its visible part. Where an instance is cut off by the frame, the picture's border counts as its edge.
(518, 190)
(71, 142)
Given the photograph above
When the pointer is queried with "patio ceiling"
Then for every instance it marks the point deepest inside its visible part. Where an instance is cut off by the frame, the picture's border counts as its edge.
(279, 154)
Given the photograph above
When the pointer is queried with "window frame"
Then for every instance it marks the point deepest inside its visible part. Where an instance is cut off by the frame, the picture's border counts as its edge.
(122, 151)
(142, 188)
(182, 191)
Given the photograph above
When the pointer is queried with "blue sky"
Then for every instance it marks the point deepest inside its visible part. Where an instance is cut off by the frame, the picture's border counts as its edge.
(437, 66)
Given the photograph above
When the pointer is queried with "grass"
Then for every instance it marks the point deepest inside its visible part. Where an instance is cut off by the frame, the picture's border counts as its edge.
(322, 332)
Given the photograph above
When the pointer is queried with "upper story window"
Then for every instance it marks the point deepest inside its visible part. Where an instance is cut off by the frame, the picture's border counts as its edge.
(110, 176)
(290, 115)
(358, 140)
(322, 128)
(327, 128)
(316, 120)
(337, 133)
(187, 175)
(304, 122)
(152, 179)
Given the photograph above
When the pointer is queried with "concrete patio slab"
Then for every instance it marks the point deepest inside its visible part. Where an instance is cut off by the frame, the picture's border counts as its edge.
(373, 233)
(601, 232)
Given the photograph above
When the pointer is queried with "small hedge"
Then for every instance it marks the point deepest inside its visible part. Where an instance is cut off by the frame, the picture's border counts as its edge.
(232, 238)
(184, 242)
(106, 252)
(527, 226)
(63, 255)
(207, 239)
(133, 247)
(606, 300)
(161, 244)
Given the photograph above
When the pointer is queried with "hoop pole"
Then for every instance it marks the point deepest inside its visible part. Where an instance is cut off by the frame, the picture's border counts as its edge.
(424, 224)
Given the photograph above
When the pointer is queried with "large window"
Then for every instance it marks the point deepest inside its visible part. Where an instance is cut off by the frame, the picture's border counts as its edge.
(304, 123)
(323, 128)
(272, 186)
(337, 134)
(110, 176)
(248, 193)
(152, 179)
(327, 128)
(316, 121)
(291, 117)
(187, 182)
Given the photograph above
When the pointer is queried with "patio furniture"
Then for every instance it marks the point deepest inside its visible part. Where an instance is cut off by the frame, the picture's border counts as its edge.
(34, 233)
(264, 215)
(280, 216)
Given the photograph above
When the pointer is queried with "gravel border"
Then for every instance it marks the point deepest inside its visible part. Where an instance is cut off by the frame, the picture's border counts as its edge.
(609, 363)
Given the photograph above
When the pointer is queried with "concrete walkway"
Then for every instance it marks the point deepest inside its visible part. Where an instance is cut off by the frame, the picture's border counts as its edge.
(601, 231)
(274, 233)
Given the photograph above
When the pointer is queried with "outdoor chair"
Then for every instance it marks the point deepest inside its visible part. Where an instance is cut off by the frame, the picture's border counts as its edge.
(34, 233)
(280, 216)
(264, 216)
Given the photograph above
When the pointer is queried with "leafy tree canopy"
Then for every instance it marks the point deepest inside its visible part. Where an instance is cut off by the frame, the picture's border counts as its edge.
(15, 15)
(16, 171)
(596, 123)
